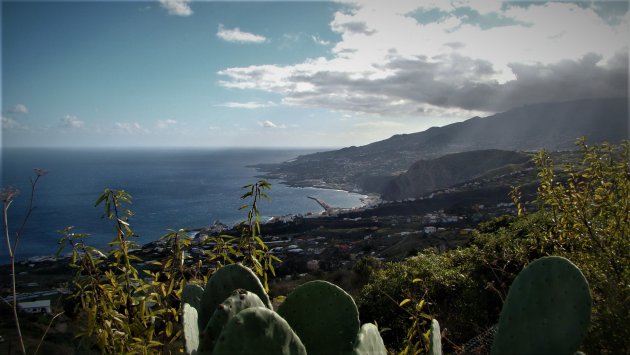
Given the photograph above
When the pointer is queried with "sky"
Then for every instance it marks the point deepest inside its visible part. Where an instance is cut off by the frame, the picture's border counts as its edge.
(178, 73)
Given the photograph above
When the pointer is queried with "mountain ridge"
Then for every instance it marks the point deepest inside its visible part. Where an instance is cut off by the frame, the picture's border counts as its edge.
(553, 126)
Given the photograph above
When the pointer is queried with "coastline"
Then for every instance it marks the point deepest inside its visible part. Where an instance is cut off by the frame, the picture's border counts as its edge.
(265, 171)
(172, 189)
(273, 172)
(368, 199)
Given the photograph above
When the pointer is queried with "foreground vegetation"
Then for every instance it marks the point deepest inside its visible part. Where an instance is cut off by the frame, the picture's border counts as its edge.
(124, 305)
(584, 218)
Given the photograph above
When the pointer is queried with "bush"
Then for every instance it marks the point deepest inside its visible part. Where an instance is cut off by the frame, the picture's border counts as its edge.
(126, 306)
(464, 288)
(590, 215)
(584, 218)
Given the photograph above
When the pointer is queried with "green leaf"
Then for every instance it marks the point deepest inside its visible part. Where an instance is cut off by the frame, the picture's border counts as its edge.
(420, 305)
(101, 198)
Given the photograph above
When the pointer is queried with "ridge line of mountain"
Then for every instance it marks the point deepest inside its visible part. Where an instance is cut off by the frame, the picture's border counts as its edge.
(370, 168)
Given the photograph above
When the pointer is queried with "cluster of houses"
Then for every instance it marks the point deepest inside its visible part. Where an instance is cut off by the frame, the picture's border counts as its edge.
(32, 307)
(441, 217)
(40, 306)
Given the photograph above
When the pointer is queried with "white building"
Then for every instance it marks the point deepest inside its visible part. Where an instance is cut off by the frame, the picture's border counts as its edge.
(41, 306)
(430, 229)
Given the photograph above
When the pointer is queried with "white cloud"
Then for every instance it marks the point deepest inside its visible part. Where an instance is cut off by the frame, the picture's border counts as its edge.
(379, 124)
(248, 105)
(71, 121)
(177, 7)
(290, 40)
(10, 123)
(320, 41)
(130, 128)
(20, 108)
(238, 36)
(269, 124)
(388, 62)
(163, 124)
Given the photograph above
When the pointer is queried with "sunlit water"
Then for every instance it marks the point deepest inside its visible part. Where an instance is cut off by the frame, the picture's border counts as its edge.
(172, 189)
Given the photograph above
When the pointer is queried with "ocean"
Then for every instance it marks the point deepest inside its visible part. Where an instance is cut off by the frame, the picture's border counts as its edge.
(171, 189)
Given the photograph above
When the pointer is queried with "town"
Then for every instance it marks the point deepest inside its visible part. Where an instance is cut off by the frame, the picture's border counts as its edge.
(312, 244)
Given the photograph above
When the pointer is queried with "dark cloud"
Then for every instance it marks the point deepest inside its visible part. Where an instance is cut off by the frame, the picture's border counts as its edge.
(455, 45)
(463, 83)
(354, 27)
(562, 81)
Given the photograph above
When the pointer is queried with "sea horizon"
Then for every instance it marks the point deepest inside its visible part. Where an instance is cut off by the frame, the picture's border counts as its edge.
(173, 188)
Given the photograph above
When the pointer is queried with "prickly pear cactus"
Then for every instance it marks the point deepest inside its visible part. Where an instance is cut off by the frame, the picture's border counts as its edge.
(228, 309)
(369, 341)
(191, 331)
(221, 285)
(318, 316)
(192, 294)
(258, 330)
(324, 316)
(435, 339)
(547, 310)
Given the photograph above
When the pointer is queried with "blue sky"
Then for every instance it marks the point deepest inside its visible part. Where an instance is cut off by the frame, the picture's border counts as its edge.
(288, 74)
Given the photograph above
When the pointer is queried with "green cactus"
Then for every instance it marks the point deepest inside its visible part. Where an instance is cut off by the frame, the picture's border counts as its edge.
(228, 309)
(221, 285)
(192, 294)
(245, 322)
(369, 341)
(547, 310)
(258, 330)
(191, 330)
(435, 340)
(324, 316)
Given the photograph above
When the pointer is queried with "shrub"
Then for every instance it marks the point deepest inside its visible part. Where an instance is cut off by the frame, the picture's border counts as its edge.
(126, 307)
(585, 218)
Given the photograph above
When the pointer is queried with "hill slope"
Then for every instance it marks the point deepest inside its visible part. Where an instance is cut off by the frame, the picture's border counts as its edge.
(428, 175)
(553, 126)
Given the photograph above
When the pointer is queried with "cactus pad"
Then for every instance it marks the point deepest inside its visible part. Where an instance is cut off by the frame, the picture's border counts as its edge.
(221, 285)
(258, 330)
(324, 316)
(191, 331)
(547, 310)
(192, 294)
(369, 341)
(435, 339)
(227, 310)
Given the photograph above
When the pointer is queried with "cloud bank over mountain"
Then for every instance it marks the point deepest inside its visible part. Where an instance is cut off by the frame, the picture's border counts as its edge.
(409, 58)
(298, 73)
